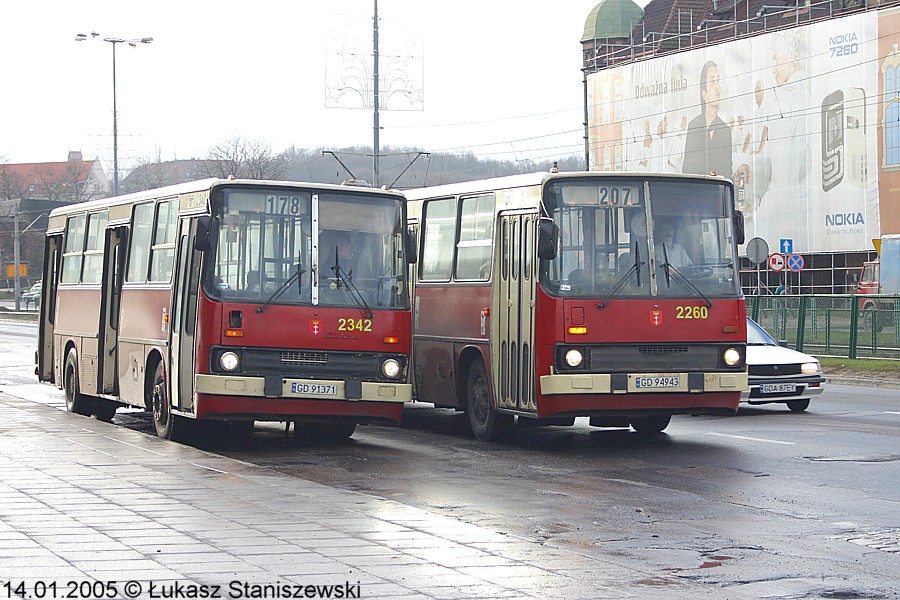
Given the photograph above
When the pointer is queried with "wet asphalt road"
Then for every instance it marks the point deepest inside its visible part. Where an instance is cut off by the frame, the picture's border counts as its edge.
(771, 503)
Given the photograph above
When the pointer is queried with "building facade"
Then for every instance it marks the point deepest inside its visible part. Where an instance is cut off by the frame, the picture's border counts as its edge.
(798, 104)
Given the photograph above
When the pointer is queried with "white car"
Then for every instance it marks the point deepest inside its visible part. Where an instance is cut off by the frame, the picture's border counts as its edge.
(778, 374)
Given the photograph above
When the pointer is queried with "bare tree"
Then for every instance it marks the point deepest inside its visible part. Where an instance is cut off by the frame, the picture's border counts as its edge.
(11, 185)
(244, 159)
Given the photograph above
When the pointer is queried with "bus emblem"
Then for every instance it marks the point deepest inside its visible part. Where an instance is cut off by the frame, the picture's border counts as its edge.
(315, 326)
(656, 318)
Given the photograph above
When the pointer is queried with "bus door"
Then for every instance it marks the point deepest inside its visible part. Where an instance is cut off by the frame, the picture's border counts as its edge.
(113, 272)
(182, 327)
(48, 308)
(512, 307)
(412, 229)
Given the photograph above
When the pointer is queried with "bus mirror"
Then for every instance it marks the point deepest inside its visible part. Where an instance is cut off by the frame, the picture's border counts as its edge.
(739, 227)
(412, 246)
(548, 239)
(201, 241)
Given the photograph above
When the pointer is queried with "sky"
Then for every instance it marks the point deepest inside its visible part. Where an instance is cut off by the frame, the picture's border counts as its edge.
(499, 78)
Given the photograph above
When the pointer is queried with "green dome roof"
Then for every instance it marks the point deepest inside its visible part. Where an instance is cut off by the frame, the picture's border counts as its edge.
(612, 19)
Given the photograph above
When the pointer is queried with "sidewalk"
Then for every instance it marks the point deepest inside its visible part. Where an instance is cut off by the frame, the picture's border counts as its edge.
(82, 501)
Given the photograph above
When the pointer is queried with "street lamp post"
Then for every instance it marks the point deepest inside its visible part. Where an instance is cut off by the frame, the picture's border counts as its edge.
(113, 40)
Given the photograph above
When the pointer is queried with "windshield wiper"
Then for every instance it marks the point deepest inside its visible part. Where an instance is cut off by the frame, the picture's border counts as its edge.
(354, 293)
(672, 272)
(295, 276)
(623, 281)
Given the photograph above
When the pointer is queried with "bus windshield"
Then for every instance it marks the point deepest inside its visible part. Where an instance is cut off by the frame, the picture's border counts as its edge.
(620, 238)
(320, 248)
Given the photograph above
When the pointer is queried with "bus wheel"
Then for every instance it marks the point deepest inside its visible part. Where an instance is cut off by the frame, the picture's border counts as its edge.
(168, 426)
(104, 410)
(486, 424)
(798, 405)
(651, 424)
(76, 402)
(338, 431)
(241, 430)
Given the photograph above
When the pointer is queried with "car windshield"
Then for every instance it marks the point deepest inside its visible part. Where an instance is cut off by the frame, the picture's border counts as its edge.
(757, 336)
(620, 237)
(298, 246)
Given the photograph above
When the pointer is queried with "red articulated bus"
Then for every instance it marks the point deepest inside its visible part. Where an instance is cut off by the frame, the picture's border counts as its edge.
(551, 296)
(231, 300)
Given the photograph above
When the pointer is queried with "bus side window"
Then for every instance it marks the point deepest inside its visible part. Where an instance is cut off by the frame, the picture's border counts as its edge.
(439, 222)
(162, 253)
(72, 254)
(141, 236)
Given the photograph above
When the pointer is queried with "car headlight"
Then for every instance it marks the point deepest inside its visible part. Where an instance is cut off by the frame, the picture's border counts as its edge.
(811, 368)
(391, 368)
(229, 361)
(574, 357)
(731, 357)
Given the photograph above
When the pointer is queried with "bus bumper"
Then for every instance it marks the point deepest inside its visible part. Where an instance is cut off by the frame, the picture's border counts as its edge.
(623, 383)
(235, 385)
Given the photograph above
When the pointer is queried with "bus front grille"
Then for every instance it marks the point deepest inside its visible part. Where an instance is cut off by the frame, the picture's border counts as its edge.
(304, 359)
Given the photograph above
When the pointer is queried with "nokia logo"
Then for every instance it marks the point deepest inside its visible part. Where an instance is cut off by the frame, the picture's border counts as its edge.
(842, 38)
(839, 219)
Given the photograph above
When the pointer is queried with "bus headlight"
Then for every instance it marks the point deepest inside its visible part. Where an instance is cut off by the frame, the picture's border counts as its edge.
(731, 357)
(229, 361)
(574, 357)
(391, 368)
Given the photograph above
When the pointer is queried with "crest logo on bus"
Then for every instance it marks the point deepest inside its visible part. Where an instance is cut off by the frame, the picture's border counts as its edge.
(315, 326)
(656, 318)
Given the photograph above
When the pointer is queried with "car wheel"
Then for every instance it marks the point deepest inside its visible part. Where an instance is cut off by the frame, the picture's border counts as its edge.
(798, 405)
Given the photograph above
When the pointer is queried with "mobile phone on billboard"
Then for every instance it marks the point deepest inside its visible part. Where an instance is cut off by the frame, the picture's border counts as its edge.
(832, 139)
(855, 135)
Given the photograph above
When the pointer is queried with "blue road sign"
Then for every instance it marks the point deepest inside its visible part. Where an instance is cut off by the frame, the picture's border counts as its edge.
(787, 246)
(795, 262)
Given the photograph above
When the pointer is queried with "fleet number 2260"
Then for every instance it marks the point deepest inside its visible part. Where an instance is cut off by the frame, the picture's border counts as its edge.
(691, 312)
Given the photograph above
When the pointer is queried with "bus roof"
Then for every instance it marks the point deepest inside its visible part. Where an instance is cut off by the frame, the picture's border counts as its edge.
(536, 178)
(207, 184)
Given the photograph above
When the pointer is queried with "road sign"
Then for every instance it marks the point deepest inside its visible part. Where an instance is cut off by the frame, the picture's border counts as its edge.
(757, 250)
(786, 245)
(795, 262)
(776, 261)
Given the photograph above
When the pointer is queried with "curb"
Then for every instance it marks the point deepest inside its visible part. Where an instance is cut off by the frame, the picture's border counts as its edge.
(891, 384)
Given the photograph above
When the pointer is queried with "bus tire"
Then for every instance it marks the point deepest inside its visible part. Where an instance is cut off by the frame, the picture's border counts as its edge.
(168, 426)
(486, 424)
(651, 423)
(338, 431)
(798, 405)
(104, 410)
(76, 402)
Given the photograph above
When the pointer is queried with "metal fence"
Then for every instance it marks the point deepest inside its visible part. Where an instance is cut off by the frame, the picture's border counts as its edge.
(841, 325)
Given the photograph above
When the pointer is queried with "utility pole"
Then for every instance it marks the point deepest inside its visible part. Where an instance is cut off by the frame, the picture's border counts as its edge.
(376, 147)
(17, 288)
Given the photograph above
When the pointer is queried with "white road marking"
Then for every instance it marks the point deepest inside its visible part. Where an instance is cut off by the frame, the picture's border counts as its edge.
(752, 439)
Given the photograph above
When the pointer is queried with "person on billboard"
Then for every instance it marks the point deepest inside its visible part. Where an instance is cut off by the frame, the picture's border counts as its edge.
(708, 145)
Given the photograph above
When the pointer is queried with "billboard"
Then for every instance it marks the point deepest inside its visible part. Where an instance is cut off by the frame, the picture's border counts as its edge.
(799, 119)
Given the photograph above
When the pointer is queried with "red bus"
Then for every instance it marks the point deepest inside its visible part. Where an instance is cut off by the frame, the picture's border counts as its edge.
(230, 300)
(551, 296)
